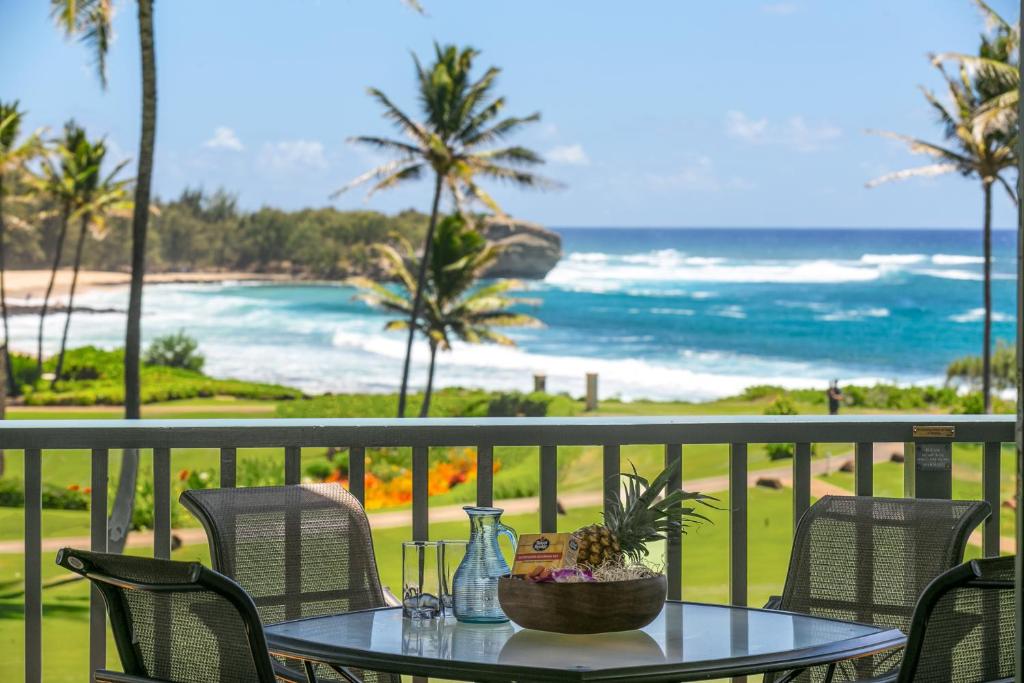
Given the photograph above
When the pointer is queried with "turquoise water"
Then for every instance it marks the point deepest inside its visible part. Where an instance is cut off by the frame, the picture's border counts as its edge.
(657, 313)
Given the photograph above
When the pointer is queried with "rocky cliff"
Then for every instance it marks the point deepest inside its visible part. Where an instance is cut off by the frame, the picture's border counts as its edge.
(528, 251)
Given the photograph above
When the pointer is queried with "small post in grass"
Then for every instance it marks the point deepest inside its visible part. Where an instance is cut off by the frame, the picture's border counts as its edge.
(591, 391)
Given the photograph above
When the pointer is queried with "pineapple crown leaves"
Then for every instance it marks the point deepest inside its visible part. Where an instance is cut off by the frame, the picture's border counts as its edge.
(639, 517)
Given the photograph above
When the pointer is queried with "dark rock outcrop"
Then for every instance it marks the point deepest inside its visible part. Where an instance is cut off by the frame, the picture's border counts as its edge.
(528, 251)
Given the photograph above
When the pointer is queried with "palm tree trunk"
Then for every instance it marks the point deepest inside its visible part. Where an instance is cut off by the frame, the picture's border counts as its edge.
(986, 353)
(425, 408)
(58, 252)
(124, 499)
(417, 298)
(71, 300)
(8, 375)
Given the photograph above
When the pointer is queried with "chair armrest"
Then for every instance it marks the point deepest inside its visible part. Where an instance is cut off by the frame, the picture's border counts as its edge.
(390, 599)
(774, 602)
(118, 677)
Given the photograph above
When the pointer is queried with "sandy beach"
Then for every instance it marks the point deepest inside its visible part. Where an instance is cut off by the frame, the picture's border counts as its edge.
(31, 284)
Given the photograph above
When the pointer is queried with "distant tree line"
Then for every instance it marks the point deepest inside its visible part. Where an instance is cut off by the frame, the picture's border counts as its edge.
(208, 231)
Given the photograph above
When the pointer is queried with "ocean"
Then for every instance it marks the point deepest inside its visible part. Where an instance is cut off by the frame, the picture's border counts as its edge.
(690, 314)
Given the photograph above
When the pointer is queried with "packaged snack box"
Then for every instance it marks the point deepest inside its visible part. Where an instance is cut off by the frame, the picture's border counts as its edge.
(536, 552)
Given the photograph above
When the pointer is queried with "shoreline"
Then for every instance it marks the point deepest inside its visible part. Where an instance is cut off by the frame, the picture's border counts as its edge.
(25, 286)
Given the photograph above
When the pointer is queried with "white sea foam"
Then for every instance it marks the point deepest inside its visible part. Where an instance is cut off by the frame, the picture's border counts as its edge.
(854, 315)
(956, 260)
(950, 274)
(892, 259)
(978, 314)
(733, 311)
(672, 311)
(602, 277)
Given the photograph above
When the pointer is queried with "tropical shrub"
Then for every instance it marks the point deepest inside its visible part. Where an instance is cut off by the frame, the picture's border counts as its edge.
(145, 504)
(967, 370)
(73, 497)
(175, 351)
(780, 406)
(93, 376)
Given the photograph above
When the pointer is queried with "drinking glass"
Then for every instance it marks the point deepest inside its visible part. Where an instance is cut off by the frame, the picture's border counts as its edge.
(450, 558)
(421, 584)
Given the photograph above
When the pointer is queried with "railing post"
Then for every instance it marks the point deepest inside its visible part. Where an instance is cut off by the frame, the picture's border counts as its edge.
(801, 481)
(674, 542)
(98, 544)
(33, 566)
(292, 465)
(738, 524)
(990, 492)
(162, 503)
(610, 463)
(864, 469)
(485, 475)
(357, 473)
(420, 493)
(228, 467)
(548, 489)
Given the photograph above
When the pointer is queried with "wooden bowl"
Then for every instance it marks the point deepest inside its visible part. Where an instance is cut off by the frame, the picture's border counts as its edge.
(583, 607)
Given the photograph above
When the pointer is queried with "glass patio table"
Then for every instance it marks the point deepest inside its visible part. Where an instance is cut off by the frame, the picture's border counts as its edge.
(686, 642)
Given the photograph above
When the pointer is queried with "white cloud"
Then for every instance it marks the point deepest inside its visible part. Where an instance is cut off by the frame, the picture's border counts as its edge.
(224, 138)
(698, 176)
(779, 8)
(809, 137)
(796, 132)
(738, 125)
(573, 155)
(293, 155)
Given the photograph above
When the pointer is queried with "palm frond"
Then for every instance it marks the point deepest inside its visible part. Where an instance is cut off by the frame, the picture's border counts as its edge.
(500, 130)
(379, 173)
(921, 147)
(919, 172)
(396, 115)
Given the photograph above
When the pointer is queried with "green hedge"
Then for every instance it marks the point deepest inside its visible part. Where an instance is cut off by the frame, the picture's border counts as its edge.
(93, 376)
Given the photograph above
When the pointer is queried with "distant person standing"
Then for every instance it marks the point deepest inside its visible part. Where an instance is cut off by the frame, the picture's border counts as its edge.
(835, 397)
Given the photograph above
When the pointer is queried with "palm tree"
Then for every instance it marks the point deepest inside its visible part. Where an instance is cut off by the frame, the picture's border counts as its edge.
(66, 184)
(454, 143)
(100, 198)
(980, 152)
(452, 307)
(90, 20)
(13, 157)
(996, 71)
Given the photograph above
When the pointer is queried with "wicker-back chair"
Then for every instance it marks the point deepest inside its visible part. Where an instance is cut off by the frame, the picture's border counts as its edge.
(175, 622)
(300, 551)
(868, 560)
(963, 628)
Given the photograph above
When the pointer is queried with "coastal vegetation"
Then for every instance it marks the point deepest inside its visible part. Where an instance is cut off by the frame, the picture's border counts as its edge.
(15, 152)
(454, 142)
(453, 305)
(85, 194)
(981, 136)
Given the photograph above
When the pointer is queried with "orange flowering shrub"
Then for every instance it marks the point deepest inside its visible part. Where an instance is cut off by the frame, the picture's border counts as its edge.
(389, 484)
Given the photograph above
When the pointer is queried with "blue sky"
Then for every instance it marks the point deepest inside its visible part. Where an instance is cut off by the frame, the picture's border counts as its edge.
(740, 113)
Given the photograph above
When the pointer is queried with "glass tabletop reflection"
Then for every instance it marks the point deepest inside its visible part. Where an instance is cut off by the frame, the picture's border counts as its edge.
(685, 637)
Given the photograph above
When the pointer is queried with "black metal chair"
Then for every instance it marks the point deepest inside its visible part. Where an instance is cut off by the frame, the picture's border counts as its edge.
(963, 628)
(299, 551)
(868, 560)
(175, 622)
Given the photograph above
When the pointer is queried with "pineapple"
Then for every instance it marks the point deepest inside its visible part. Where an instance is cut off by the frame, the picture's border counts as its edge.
(598, 545)
(636, 518)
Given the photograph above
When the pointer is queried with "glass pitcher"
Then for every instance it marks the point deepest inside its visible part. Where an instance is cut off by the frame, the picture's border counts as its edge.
(475, 584)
